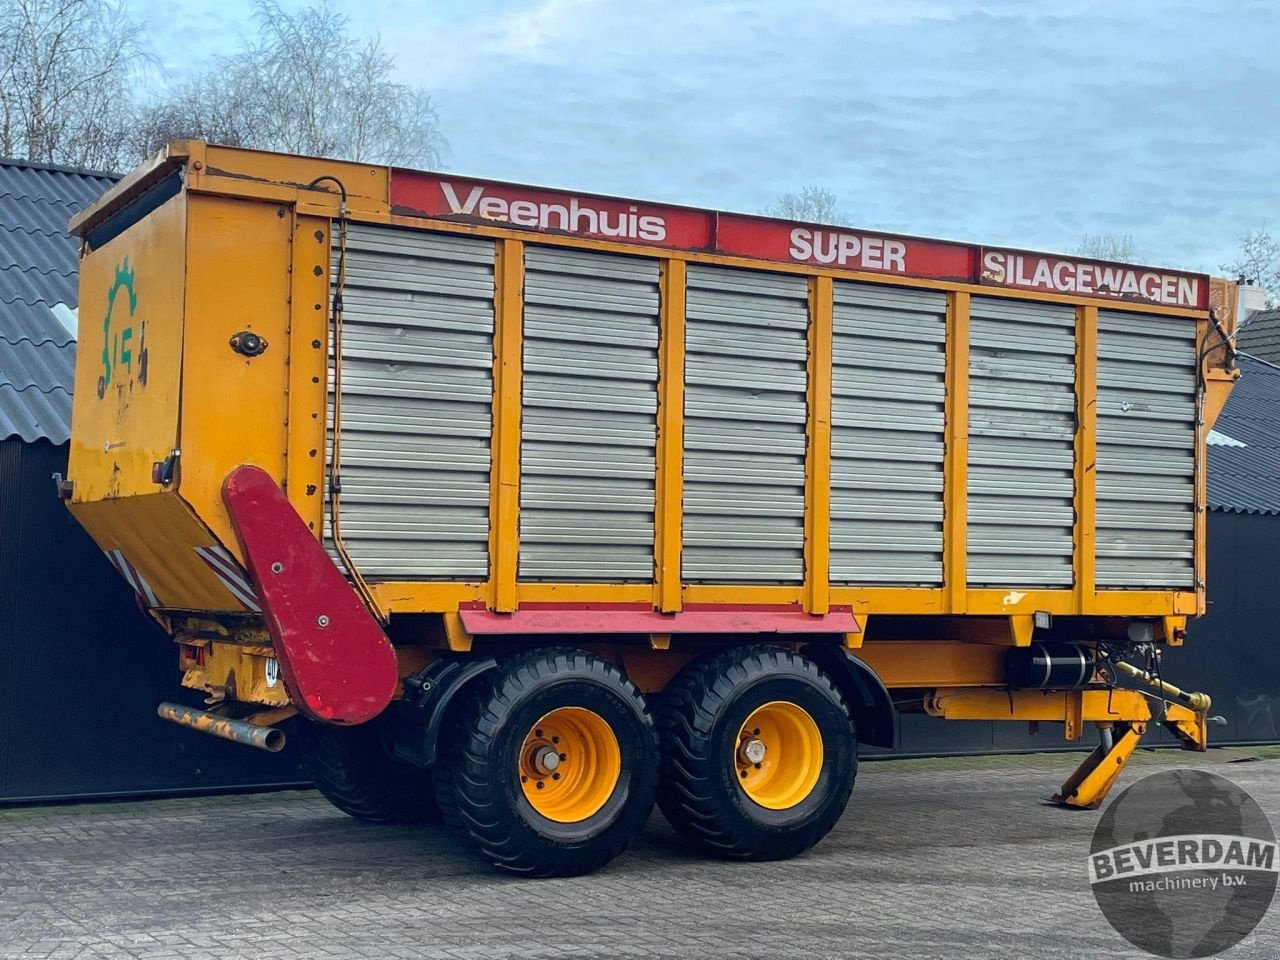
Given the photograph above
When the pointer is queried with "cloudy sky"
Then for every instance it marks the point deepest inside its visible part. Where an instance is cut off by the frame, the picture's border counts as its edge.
(1008, 122)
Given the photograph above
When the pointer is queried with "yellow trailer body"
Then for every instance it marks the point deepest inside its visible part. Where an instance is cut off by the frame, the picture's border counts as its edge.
(511, 416)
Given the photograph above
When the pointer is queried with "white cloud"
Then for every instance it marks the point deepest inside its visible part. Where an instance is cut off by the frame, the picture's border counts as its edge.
(536, 31)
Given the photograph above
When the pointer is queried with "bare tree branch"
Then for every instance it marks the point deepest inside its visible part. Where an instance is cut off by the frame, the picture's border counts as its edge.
(1105, 246)
(813, 203)
(1258, 263)
(67, 69)
(304, 85)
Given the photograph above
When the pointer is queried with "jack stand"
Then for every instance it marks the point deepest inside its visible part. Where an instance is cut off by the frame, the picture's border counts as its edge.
(1087, 787)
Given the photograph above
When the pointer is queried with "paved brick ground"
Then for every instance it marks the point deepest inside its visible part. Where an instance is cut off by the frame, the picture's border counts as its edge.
(949, 859)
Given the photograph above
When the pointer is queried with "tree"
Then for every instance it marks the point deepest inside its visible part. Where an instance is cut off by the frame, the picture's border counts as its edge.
(1105, 246)
(813, 203)
(304, 85)
(66, 71)
(193, 111)
(1258, 263)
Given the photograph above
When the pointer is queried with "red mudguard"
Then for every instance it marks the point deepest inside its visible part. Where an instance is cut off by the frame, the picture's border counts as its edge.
(337, 664)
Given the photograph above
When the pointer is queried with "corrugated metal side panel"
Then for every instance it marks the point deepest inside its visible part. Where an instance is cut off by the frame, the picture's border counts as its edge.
(887, 435)
(1022, 418)
(1146, 450)
(11, 571)
(744, 434)
(417, 361)
(589, 429)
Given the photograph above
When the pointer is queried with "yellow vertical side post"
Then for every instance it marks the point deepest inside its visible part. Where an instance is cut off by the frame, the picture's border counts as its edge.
(669, 484)
(1086, 453)
(955, 536)
(308, 369)
(1205, 417)
(817, 496)
(1218, 377)
(508, 375)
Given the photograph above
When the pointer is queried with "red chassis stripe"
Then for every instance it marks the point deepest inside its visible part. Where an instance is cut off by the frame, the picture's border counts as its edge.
(625, 618)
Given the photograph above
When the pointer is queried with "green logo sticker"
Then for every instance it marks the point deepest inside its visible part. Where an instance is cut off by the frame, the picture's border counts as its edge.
(117, 347)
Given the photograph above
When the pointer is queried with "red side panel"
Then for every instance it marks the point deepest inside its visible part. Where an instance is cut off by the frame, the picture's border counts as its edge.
(533, 618)
(538, 209)
(337, 664)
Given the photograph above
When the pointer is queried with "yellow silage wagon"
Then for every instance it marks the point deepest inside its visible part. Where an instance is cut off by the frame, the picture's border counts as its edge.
(527, 506)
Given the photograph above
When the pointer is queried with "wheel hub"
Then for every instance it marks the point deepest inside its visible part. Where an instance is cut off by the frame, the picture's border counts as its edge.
(545, 760)
(753, 751)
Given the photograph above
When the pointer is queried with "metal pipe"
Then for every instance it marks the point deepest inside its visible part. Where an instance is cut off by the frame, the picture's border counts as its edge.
(270, 739)
(1105, 736)
(1199, 702)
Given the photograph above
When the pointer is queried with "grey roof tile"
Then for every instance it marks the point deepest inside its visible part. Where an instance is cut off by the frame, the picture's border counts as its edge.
(38, 271)
(50, 183)
(34, 322)
(45, 366)
(32, 286)
(17, 244)
(1260, 335)
(1246, 479)
(35, 415)
(39, 217)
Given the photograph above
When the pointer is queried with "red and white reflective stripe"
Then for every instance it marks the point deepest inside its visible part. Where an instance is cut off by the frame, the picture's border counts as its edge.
(134, 578)
(231, 575)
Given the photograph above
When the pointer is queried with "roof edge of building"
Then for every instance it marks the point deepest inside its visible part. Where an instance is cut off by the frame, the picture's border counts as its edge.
(1265, 363)
(1253, 511)
(58, 168)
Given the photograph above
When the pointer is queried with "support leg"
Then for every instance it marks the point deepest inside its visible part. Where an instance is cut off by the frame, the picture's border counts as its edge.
(1088, 786)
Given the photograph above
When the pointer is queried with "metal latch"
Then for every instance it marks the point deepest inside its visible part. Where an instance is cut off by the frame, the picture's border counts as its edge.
(248, 343)
(64, 487)
(163, 471)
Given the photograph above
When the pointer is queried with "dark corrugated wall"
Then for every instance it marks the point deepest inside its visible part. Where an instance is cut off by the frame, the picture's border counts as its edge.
(82, 669)
(1233, 652)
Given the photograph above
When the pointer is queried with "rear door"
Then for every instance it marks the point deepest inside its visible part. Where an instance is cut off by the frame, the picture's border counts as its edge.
(129, 356)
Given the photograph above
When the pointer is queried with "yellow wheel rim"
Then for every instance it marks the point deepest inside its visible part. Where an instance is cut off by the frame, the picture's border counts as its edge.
(778, 756)
(569, 764)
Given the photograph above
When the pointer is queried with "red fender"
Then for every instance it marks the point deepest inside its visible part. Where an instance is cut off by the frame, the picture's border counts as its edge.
(337, 664)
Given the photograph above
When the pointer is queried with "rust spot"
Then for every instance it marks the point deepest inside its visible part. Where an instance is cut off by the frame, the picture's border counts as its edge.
(311, 452)
(319, 236)
(315, 379)
(142, 355)
(316, 344)
(311, 489)
(317, 306)
(282, 213)
(318, 271)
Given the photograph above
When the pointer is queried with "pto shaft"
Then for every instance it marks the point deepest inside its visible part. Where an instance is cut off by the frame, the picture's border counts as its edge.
(1199, 702)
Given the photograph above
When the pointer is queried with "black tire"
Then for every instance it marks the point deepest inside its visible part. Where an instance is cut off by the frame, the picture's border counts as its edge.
(478, 775)
(699, 719)
(354, 769)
